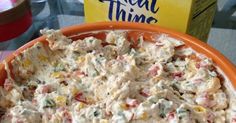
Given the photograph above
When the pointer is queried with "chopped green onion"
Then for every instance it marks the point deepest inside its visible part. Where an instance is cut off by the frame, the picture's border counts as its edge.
(90, 41)
(96, 113)
(59, 67)
(181, 112)
(49, 103)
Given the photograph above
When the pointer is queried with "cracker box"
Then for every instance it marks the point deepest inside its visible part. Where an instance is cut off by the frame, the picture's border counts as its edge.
(193, 17)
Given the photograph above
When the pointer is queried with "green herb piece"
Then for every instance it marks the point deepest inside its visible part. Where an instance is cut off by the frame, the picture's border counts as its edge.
(96, 113)
(139, 40)
(162, 113)
(59, 67)
(90, 41)
(49, 103)
(181, 112)
(175, 86)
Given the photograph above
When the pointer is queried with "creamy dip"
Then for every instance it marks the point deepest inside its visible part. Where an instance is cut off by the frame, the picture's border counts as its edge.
(113, 81)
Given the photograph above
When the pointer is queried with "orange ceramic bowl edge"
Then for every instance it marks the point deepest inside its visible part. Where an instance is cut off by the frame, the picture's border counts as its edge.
(222, 62)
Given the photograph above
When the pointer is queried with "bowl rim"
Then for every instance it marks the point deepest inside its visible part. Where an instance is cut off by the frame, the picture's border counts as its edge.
(221, 61)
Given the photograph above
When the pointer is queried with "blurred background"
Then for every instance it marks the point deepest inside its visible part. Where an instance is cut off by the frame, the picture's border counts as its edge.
(56, 14)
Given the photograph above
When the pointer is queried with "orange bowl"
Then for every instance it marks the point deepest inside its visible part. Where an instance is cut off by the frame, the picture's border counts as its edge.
(222, 62)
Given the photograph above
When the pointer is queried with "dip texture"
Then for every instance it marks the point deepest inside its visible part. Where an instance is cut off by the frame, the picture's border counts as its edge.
(115, 80)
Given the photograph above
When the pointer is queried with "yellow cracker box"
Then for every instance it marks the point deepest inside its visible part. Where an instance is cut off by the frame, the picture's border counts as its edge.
(193, 17)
